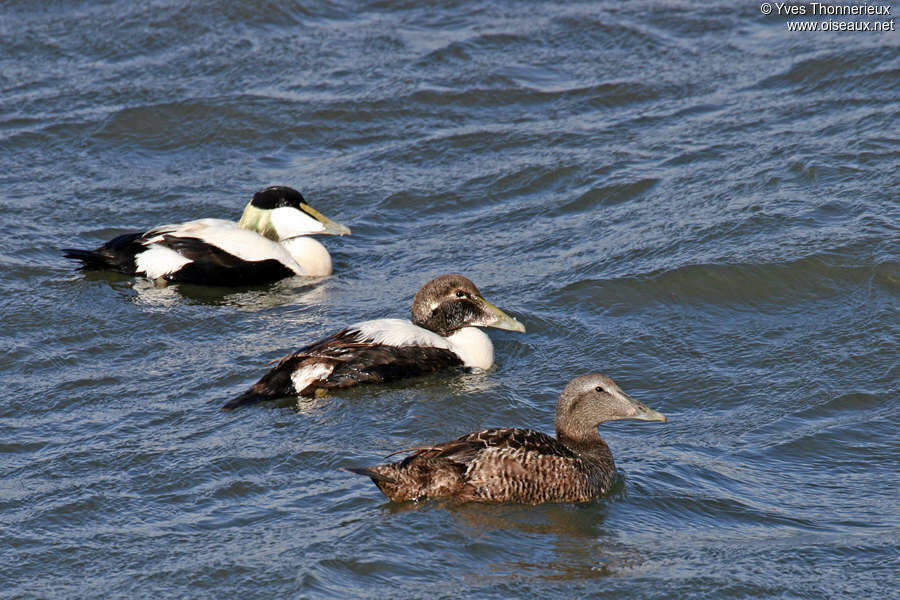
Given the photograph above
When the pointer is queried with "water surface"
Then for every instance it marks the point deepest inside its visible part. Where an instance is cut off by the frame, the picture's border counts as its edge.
(687, 197)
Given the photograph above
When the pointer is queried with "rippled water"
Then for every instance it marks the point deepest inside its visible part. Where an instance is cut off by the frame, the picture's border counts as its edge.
(687, 197)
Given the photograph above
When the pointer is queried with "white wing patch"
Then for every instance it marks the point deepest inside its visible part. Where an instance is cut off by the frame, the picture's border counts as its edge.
(399, 332)
(307, 374)
(158, 261)
(472, 345)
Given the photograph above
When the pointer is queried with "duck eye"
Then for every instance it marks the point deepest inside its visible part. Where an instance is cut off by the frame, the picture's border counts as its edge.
(460, 294)
(599, 389)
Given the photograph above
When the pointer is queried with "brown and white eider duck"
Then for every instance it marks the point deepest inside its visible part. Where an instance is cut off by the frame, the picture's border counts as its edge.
(268, 243)
(443, 333)
(521, 465)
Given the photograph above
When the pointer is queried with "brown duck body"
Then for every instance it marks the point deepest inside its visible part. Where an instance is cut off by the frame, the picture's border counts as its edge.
(500, 465)
(521, 465)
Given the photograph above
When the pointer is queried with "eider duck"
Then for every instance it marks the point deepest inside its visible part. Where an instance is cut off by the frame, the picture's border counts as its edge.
(267, 244)
(443, 333)
(521, 465)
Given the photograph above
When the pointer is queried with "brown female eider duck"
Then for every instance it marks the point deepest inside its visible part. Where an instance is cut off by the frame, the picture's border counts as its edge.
(269, 243)
(521, 465)
(443, 333)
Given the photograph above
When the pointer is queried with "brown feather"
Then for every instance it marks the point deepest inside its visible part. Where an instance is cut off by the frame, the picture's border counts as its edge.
(521, 465)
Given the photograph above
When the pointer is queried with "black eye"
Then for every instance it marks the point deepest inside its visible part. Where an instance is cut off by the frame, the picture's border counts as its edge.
(599, 389)
(460, 294)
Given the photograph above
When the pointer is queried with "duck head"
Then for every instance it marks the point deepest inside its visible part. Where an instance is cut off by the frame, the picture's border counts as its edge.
(589, 400)
(280, 213)
(451, 302)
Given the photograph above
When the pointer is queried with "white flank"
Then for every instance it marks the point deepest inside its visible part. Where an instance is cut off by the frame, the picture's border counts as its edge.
(290, 222)
(310, 254)
(158, 261)
(227, 235)
(305, 375)
(472, 345)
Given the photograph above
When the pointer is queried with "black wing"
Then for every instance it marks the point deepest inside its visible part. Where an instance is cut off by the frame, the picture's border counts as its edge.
(210, 265)
(361, 361)
(349, 361)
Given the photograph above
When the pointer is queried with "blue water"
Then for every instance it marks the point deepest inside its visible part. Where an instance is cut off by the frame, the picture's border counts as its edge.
(686, 197)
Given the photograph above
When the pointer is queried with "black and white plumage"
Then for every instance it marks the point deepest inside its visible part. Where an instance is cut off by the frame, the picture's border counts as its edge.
(267, 244)
(521, 465)
(443, 333)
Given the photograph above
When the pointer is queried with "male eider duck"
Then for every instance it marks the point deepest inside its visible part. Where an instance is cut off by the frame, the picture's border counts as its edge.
(267, 244)
(443, 333)
(521, 465)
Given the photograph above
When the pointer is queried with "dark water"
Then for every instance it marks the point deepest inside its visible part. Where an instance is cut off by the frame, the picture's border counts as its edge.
(687, 197)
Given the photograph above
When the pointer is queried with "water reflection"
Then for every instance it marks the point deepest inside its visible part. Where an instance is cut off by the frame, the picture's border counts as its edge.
(576, 520)
(545, 542)
(564, 542)
(294, 290)
(309, 407)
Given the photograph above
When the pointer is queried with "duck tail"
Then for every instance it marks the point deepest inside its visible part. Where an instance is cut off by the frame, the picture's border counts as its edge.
(248, 397)
(373, 474)
(392, 482)
(117, 254)
(92, 259)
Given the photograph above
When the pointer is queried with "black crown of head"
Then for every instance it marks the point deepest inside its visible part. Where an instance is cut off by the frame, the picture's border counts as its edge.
(277, 196)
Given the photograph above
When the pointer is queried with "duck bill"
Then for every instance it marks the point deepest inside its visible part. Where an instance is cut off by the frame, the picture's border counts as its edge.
(329, 227)
(642, 412)
(494, 317)
(651, 415)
